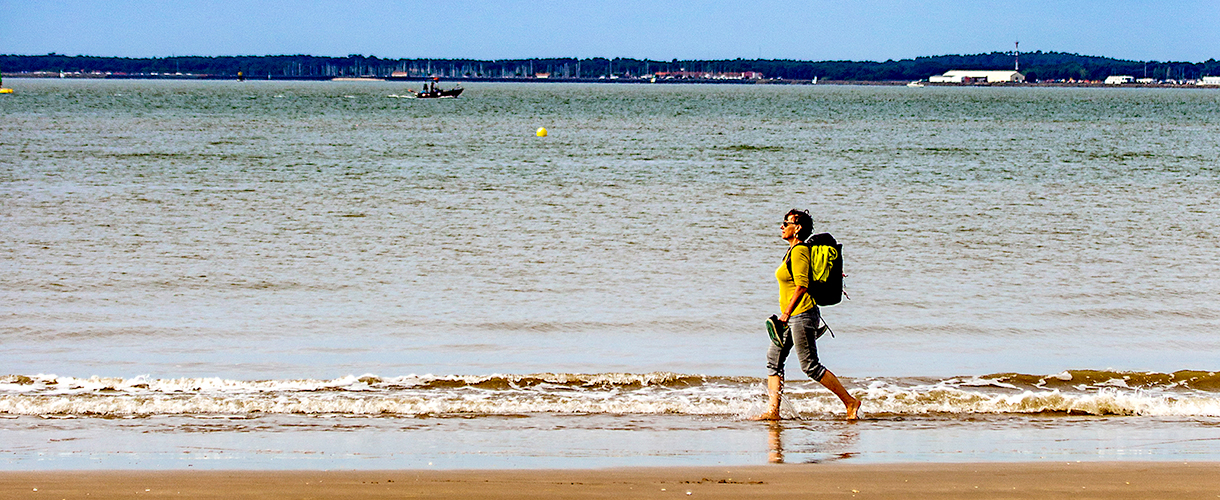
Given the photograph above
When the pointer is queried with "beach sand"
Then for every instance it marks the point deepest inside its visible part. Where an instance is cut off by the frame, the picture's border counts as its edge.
(1109, 480)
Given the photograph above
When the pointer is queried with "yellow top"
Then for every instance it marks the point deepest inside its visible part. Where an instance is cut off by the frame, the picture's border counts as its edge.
(808, 263)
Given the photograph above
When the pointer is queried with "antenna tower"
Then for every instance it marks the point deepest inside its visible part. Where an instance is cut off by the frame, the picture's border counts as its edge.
(1016, 56)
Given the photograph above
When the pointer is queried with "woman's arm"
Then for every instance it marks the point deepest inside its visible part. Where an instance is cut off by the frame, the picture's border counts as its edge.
(800, 257)
(796, 299)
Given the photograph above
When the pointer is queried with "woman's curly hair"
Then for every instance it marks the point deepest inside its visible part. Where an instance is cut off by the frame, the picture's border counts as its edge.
(804, 220)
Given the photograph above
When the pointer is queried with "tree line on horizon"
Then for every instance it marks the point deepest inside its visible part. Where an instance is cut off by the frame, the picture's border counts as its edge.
(1036, 66)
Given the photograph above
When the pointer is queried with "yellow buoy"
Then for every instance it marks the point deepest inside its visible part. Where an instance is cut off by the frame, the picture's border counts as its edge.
(541, 131)
(6, 91)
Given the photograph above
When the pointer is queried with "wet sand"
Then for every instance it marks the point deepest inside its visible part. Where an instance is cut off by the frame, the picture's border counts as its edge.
(1109, 480)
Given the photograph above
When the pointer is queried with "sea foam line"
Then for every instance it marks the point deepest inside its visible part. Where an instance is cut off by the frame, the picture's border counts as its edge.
(657, 393)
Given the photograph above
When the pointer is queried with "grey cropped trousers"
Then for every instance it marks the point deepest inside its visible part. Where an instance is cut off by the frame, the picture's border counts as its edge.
(802, 329)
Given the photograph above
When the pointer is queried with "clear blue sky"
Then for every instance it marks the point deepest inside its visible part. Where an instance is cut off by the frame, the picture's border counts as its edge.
(1163, 30)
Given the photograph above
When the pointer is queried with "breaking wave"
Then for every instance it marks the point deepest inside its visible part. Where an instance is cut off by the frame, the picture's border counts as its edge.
(1077, 392)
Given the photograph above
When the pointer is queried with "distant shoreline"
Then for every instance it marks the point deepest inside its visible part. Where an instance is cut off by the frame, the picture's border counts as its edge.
(634, 81)
(1036, 66)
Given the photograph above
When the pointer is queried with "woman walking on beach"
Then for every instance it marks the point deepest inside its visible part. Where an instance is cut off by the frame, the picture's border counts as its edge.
(801, 314)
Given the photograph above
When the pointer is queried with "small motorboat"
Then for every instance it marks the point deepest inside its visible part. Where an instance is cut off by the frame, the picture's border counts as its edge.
(431, 91)
(436, 94)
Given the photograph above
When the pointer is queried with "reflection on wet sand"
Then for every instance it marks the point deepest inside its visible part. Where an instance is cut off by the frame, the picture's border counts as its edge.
(838, 444)
(775, 452)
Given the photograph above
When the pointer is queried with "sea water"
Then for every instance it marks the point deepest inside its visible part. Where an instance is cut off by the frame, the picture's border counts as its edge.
(327, 275)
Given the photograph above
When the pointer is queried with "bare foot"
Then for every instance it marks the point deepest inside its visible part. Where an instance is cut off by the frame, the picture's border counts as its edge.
(852, 407)
(773, 415)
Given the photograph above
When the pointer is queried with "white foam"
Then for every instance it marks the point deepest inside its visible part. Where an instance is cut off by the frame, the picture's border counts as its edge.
(984, 382)
(612, 393)
(1115, 382)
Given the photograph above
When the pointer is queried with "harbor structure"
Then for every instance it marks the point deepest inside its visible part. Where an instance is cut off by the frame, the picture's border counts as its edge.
(978, 76)
(708, 75)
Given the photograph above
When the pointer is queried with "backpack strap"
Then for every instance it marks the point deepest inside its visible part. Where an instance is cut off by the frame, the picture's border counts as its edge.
(788, 257)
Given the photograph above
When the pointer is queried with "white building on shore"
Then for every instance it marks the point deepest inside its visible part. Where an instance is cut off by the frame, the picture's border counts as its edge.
(1119, 79)
(972, 76)
(1209, 80)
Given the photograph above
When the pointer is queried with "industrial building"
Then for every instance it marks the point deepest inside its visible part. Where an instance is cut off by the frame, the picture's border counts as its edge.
(975, 76)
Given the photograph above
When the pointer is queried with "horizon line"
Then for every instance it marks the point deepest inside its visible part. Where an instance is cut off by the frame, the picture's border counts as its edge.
(373, 56)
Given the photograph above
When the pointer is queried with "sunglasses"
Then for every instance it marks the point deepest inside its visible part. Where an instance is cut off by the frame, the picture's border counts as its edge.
(787, 223)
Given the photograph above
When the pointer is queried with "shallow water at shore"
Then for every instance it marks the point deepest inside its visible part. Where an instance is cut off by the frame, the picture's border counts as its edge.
(592, 421)
(539, 441)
